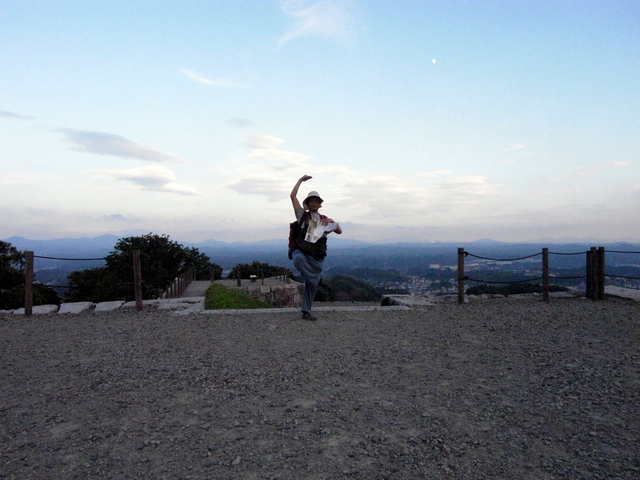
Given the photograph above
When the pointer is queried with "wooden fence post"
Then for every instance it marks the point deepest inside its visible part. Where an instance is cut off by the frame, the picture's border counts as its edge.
(545, 274)
(587, 280)
(601, 273)
(137, 279)
(460, 275)
(28, 284)
(592, 273)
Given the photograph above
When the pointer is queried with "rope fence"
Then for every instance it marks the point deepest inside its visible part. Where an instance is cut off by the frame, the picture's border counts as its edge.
(74, 260)
(502, 259)
(623, 276)
(501, 282)
(29, 277)
(175, 290)
(594, 276)
(70, 259)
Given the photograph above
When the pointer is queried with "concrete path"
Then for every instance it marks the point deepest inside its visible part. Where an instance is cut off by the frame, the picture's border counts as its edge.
(197, 288)
(192, 303)
(630, 293)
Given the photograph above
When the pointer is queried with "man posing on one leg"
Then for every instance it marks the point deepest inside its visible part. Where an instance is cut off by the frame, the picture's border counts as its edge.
(311, 244)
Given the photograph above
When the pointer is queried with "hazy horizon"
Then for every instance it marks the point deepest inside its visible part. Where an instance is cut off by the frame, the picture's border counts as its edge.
(541, 240)
(419, 121)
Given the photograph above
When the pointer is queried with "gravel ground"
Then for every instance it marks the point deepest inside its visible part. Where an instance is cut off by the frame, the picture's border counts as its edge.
(502, 389)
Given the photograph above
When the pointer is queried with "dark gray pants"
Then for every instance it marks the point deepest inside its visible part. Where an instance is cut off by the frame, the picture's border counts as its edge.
(311, 271)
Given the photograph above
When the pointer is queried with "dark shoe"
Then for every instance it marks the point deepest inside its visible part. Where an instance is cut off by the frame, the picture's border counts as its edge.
(308, 316)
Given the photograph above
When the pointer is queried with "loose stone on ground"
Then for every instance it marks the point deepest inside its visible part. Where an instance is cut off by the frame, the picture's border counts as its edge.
(500, 388)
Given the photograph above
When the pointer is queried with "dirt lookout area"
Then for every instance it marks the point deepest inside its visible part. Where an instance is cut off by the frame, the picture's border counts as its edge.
(497, 389)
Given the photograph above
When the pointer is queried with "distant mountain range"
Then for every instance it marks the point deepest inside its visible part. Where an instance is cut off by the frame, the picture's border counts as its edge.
(405, 257)
(106, 243)
(45, 247)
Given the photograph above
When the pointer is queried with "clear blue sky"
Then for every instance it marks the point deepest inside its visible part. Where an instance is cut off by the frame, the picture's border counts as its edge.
(419, 120)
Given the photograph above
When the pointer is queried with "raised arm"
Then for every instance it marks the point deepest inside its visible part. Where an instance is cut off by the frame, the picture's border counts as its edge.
(294, 193)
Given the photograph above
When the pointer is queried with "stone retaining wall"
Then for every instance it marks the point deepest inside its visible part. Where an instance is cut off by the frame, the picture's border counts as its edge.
(280, 296)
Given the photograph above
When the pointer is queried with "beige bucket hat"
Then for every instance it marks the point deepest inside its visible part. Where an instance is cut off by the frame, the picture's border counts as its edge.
(311, 194)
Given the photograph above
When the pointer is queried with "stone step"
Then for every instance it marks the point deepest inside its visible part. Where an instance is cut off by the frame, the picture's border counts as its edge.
(182, 306)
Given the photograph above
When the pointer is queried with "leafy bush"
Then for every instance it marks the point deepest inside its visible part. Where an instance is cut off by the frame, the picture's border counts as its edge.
(12, 273)
(345, 288)
(161, 260)
(369, 275)
(351, 289)
(219, 297)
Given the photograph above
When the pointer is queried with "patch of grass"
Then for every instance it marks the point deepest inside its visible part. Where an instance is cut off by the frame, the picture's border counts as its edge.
(219, 297)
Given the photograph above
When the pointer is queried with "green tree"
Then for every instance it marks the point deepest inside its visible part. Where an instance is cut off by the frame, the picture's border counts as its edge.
(161, 261)
(345, 288)
(205, 270)
(95, 285)
(12, 272)
(11, 276)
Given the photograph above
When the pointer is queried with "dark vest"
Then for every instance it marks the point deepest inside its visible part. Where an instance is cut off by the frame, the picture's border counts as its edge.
(297, 232)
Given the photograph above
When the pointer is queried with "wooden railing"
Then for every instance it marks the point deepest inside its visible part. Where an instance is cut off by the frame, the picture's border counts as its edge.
(175, 290)
(29, 276)
(594, 276)
(179, 285)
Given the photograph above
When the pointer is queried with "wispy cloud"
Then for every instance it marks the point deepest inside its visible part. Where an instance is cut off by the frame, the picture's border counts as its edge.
(241, 123)
(267, 172)
(102, 143)
(389, 196)
(116, 217)
(618, 164)
(271, 172)
(562, 178)
(435, 173)
(265, 147)
(16, 116)
(151, 177)
(217, 82)
(514, 146)
(467, 189)
(589, 171)
(382, 195)
(320, 18)
(517, 152)
(269, 185)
